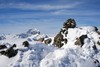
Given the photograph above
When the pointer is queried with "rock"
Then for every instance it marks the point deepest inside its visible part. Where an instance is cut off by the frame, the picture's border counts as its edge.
(3, 46)
(96, 61)
(98, 32)
(41, 39)
(80, 40)
(94, 47)
(96, 29)
(70, 23)
(26, 43)
(65, 41)
(58, 39)
(2, 52)
(2, 38)
(98, 43)
(48, 41)
(10, 52)
(64, 31)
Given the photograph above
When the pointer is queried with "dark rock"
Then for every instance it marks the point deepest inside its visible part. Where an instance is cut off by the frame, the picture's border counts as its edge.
(98, 43)
(58, 39)
(94, 47)
(48, 41)
(80, 40)
(65, 41)
(2, 52)
(70, 23)
(62, 30)
(98, 32)
(41, 39)
(3, 46)
(10, 52)
(96, 61)
(96, 29)
(26, 43)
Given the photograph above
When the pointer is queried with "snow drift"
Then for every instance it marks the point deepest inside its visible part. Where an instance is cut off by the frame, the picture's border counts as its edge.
(81, 49)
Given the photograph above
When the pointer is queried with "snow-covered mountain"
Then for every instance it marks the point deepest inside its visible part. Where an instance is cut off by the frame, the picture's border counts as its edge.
(29, 33)
(71, 47)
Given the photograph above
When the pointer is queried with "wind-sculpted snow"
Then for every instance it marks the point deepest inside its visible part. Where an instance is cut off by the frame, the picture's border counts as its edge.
(85, 53)
(32, 56)
(71, 55)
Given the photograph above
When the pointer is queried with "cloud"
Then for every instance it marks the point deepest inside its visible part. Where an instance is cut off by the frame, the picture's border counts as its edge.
(28, 6)
(74, 12)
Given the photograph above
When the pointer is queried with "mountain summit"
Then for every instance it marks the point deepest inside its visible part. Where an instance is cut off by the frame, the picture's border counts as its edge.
(72, 47)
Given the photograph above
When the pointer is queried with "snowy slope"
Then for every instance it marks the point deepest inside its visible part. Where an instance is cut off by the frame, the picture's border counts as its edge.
(41, 55)
(71, 55)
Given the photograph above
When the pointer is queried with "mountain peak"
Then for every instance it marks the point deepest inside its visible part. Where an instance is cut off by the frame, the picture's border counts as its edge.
(72, 47)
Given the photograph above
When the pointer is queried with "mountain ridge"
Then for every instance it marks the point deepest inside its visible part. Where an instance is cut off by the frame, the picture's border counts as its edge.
(72, 47)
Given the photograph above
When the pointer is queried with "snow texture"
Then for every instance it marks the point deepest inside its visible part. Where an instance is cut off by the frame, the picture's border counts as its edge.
(41, 55)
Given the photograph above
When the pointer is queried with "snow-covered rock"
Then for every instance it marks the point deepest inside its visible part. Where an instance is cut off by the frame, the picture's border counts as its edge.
(22, 35)
(2, 37)
(29, 33)
(38, 54)
(33, 32)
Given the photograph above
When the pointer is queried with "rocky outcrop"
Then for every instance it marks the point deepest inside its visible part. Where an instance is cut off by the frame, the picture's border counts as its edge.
(41, 39)
(48, 41)
(98, 43)
(80, 40)
(10, 52)
(3, 46)
(70, 23)
(59, 40)
(25, 44)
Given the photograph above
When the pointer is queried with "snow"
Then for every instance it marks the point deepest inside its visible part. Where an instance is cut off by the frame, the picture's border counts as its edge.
(41, 55)
(2, 38)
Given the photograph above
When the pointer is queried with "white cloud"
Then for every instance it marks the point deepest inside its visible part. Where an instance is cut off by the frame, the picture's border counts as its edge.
(77, 13)
(27, 6)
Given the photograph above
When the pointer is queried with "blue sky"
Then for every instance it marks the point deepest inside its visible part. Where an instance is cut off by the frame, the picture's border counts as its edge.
(46, 15)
